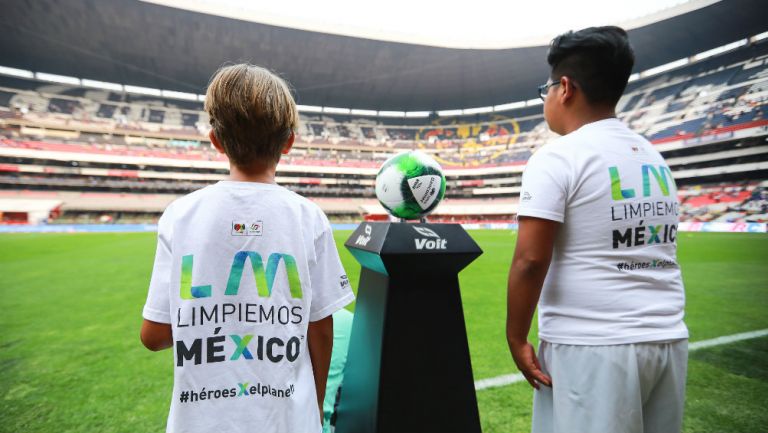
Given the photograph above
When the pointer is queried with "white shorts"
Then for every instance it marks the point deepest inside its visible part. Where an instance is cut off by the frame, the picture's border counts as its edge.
(613, 389)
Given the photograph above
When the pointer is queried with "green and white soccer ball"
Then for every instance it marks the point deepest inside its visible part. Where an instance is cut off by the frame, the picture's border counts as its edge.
(410, 185)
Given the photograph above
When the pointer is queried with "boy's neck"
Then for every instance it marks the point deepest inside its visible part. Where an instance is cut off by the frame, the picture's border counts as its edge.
(586, 116)
(261, 173)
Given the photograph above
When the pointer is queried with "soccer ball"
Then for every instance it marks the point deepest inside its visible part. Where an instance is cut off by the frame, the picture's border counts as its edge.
(410, 185)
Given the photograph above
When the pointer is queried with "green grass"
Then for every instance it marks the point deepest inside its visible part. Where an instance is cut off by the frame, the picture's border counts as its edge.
(70, 307)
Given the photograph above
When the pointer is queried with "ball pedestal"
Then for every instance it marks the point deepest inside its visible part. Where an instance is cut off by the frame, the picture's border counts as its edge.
(408, 367)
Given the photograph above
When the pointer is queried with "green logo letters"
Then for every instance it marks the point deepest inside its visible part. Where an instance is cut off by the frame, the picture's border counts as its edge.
(616, 192)
(188, 291)
(264, 278)
(662, 175)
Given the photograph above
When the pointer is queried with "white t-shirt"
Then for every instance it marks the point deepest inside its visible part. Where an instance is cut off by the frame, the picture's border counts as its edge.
(614, 277)
(241, 269)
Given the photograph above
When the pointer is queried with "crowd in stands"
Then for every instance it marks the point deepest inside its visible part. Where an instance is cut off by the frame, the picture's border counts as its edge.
(725, 202)
(100, 183)
(83, 217)
(715, 96)
(728, 91)
(721, 92)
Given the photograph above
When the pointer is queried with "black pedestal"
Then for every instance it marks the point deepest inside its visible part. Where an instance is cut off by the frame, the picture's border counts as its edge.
(408, 366)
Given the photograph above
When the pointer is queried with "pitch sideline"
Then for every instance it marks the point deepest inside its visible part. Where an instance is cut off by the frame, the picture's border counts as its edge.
(508, 379)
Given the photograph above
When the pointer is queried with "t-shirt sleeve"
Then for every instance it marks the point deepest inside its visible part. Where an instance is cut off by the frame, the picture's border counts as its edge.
(157, 308)
(331, 289)
(544, 192)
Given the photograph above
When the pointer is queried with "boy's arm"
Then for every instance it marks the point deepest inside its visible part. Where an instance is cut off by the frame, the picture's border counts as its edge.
(320, 342)
(533, 254)
(156, 333)
(156, 336)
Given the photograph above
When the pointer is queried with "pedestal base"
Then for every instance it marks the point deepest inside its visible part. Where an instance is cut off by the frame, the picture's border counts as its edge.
(408, 366)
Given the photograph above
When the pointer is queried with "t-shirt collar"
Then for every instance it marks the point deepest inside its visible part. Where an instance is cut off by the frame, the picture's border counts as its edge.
(611, 121)
(250, 185)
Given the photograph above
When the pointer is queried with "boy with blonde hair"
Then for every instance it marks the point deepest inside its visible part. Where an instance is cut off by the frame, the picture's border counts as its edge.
(246, 277)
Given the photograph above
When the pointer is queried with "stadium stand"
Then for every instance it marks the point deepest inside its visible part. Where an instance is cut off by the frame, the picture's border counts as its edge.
(725, 202)
(137, 152)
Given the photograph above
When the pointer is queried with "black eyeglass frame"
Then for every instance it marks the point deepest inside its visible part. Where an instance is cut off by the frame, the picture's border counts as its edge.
(544, 88)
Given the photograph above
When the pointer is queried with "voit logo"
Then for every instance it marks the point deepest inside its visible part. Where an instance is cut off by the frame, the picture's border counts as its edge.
(363, 239)
(430, 241)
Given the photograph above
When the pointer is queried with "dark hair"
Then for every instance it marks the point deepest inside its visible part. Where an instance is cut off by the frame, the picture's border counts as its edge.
(598, 59)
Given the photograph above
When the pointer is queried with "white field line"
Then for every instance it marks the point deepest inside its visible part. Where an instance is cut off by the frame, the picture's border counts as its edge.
(508, 379)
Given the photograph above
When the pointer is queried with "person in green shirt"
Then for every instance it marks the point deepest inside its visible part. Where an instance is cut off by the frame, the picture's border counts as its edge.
(342, 328)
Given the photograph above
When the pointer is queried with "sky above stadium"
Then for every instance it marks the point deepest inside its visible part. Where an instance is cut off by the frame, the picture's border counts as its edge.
(461, 24)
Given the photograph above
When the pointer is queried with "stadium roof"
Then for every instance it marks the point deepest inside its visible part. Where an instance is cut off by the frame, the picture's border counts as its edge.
(145, 44)
(488, 24)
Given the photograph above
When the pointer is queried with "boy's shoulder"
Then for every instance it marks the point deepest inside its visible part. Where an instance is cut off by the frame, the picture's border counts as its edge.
(560, 148)
(204, 195)
(567, 144)
(187, 200)
(300, 200)
(311, 208)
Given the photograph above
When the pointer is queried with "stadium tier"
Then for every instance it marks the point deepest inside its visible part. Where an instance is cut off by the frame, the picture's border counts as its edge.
(98, 155)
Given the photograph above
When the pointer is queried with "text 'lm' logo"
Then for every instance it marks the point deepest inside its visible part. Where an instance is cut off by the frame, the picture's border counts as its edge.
(263, 277)
(662, 175)
(433, 241)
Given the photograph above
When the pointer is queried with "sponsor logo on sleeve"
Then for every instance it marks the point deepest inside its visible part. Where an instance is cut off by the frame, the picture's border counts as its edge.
(344, 282)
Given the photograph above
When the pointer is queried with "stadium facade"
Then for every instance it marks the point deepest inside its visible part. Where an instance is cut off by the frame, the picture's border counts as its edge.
(101, 118)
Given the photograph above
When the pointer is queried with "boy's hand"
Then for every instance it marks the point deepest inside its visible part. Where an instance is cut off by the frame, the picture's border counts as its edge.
(156, 336)
(525, 358)
(320, 342)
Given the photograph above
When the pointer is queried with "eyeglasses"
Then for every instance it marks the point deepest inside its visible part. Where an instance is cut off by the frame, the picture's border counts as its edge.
(544, 88)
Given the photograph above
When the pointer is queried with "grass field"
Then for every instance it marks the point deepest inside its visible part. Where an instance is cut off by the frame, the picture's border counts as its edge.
(70, 308)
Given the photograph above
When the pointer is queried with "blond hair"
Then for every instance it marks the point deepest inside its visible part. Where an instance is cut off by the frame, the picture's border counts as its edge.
(252, 113)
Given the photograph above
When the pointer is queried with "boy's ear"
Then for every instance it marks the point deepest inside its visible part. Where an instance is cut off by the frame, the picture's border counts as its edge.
(215, 141)
(566, 89)
(288, 144)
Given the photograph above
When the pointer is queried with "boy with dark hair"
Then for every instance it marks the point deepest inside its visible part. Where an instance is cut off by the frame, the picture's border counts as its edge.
(600, 59)
(246, 277)
(596, 250)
